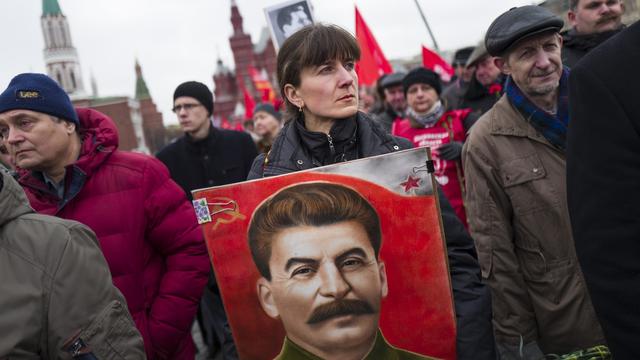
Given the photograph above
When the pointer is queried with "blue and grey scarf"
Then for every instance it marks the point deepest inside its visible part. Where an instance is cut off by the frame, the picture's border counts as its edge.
(552, 127)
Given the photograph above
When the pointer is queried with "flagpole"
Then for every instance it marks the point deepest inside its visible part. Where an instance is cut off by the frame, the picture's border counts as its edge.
(433, 38)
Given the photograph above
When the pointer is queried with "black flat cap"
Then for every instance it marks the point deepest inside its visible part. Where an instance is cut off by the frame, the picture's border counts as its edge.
(392, 79)
(462, 55)
(517, 24)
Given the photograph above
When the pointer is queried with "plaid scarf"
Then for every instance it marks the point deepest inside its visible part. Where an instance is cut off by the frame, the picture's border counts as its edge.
(552, 127)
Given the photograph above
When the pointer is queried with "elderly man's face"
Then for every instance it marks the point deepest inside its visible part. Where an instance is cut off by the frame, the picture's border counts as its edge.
(394, 96)
(326, 286)
(34, 140)
(535, 64)
(594, 16)
(487, 72)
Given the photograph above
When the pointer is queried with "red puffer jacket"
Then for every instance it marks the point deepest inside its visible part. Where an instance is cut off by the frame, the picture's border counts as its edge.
(147, 230)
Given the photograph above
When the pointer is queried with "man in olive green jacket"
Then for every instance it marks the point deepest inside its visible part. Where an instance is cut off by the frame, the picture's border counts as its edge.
(514, 163)
(55, 287)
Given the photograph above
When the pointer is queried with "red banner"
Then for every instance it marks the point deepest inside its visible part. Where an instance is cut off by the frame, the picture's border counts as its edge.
(373, 63)
(409, 291)
(249, 104)
(433, 61)
(263, 85)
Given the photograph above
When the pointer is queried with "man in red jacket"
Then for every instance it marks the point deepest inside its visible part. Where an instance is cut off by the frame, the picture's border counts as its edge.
(69, 166)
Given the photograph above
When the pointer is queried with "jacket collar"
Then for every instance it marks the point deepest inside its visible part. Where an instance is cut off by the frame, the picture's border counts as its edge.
(196, 145)
(13, 201)
(287, 153)
(99, 140)
(380, 350)
(587, 42)
(507, 121)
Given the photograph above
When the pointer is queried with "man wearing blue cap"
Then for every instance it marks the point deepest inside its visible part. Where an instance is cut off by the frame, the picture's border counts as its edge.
(514, 162)
(69, 166)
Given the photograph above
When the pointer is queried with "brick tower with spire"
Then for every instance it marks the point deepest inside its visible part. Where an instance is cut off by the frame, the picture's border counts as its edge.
(242, 49)
(229, 84)
(60, 57)
(154, 132)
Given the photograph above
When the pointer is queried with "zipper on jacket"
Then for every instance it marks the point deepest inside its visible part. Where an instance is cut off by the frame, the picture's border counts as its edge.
(331, 147)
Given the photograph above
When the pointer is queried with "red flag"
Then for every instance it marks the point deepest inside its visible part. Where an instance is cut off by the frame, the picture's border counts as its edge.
(225, 124)
(373, 63)
(263, 85)
(249, 104)
(433, 61)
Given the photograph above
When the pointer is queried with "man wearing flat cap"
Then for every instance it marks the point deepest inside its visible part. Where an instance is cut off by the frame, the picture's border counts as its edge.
(514, 162)
(393, 98)
(453, 93)
(485, 86)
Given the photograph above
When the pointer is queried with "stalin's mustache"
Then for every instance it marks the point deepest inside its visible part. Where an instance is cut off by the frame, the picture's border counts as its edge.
(340, 308)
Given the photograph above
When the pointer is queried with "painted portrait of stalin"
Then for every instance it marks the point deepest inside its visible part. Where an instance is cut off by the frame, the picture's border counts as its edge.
(316, 247)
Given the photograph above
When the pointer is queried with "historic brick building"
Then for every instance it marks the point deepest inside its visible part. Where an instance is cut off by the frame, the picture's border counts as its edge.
(138, 121)
(229, 85)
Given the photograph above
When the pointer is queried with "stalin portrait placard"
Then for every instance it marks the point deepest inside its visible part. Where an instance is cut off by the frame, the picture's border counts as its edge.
(342, 261)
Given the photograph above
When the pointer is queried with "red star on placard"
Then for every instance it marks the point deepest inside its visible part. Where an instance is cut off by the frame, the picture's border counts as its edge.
(410, 183)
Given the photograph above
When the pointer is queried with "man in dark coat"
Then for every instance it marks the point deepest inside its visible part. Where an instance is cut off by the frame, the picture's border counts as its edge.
(453, 93)
(485, 87)
(204, 157)
(592, 23)
(297, 148)
(394, 103)
(603, 181)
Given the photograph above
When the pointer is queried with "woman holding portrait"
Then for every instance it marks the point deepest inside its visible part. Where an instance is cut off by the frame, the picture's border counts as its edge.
(319, 84)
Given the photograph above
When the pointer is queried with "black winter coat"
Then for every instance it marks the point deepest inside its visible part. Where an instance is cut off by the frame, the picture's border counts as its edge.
(472, 298)
(478, 98)
(223, 157)
(603, 183)
(575, 46)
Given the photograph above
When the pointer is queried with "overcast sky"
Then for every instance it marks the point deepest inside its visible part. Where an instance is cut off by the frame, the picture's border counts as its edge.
(180, 40)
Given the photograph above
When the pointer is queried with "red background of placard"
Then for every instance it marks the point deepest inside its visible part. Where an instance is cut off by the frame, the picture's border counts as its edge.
(417, 315)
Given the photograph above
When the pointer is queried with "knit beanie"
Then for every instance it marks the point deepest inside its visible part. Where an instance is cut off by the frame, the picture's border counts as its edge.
(40, 93)
(268, 108)
(196, 90)
(421, 75)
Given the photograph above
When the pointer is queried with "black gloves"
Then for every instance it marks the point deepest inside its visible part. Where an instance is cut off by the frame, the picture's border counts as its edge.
(450, 151)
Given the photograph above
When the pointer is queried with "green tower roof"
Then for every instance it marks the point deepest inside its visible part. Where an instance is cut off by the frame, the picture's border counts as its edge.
(142, 91)
(50, 7)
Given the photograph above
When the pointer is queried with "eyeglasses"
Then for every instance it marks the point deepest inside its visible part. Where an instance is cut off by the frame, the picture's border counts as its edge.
(176, 109)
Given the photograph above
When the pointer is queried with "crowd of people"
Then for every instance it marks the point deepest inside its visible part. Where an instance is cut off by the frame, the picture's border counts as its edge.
(536, 146)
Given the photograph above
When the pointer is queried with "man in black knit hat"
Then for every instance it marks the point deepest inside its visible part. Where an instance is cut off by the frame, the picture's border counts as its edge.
(206, 156)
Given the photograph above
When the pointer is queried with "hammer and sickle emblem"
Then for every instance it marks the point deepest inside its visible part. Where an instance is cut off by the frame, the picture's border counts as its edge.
(224, 211)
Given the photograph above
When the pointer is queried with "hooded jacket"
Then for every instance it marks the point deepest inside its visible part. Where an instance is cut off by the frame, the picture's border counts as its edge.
(472, 298)
(146, 228)
(54, 283)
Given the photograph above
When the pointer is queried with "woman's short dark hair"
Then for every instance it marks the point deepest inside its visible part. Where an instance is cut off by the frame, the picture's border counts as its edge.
(313, 45)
